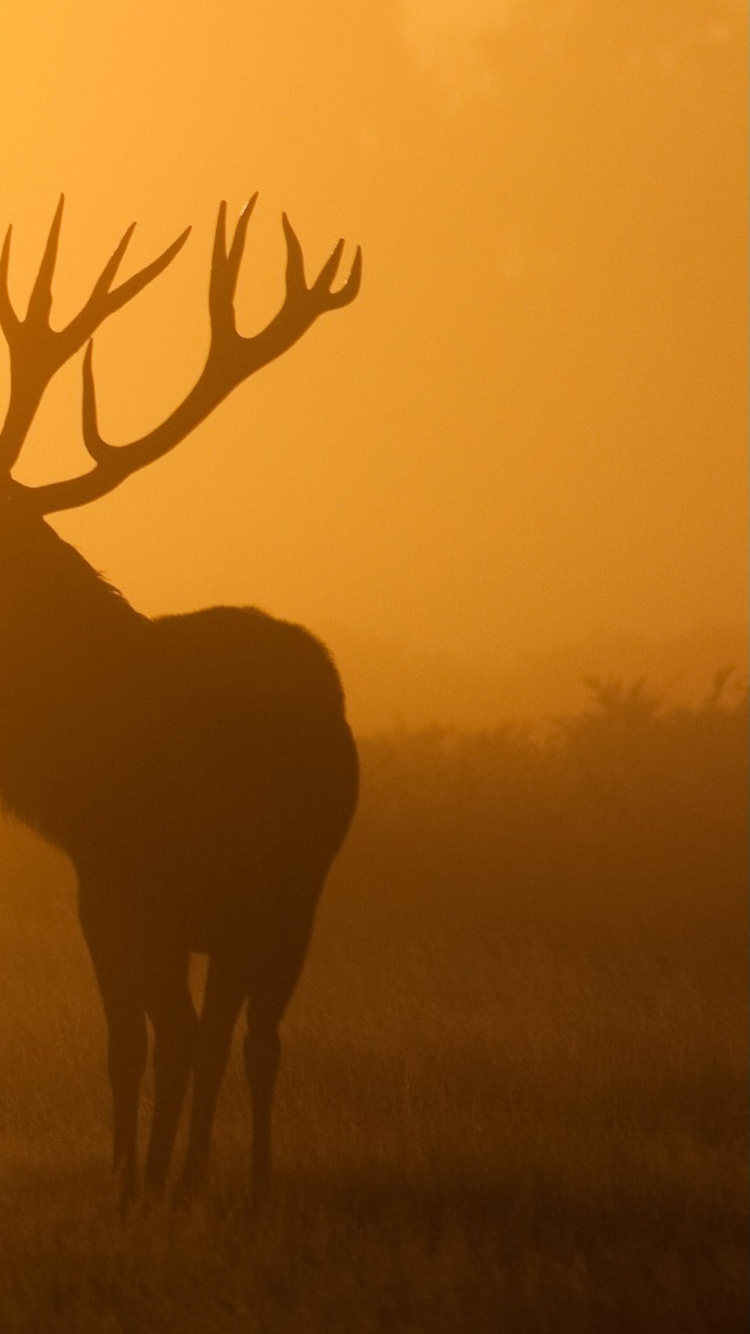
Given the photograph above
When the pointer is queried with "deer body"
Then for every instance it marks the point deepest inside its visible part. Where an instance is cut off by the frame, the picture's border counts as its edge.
(197, 769)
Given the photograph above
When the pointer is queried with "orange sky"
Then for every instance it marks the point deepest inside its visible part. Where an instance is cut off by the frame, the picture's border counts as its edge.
(529, 431)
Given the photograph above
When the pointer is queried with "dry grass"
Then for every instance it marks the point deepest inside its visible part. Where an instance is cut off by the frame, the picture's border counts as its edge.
(493, 1115)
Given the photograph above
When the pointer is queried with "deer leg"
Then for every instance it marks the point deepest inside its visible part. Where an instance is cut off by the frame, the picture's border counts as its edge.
(173, 1016)
(126, 1052)
(126, 1063)
(225, 991)
(262, 1058)
(274, 975)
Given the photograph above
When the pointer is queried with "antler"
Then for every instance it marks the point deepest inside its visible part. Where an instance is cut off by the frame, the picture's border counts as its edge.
(38, 351)
(231, 357)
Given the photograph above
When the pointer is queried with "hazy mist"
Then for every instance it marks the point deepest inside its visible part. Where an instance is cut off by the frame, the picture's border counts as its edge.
(525, 443)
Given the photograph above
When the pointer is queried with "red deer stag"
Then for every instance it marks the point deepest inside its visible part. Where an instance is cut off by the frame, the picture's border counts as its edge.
(197, 769)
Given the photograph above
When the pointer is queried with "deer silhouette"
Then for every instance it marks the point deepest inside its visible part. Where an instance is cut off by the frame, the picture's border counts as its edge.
(197, 769)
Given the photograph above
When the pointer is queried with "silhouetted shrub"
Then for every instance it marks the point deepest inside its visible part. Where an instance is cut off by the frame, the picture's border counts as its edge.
(629, 795)
(629, 800)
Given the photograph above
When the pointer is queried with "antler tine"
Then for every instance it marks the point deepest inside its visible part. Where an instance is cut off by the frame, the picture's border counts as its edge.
(219, 252)
(40, 301)
(321, 288)
(330, 268)
(8, 317)
(36, 350)
(237, 248)
(102, 285)
(99, 450)
(225, 265)
(346, 294)
(295, 261)
(135, 284)
(104, 302)
(231, 358)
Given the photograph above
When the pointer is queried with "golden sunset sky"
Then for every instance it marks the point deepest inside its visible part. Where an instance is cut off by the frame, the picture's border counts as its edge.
(525, 443)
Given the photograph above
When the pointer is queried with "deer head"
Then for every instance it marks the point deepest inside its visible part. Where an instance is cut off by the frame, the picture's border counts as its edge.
(37, 351)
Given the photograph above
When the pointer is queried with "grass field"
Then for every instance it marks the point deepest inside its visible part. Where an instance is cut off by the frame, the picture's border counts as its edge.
(514, 1090)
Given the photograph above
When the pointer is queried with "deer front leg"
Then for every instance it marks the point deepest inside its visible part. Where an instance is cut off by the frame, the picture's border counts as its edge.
(126, 1028)
(172, 1013)
(274, 971)
(126, 1063)
(262, 1057)
(225, 990)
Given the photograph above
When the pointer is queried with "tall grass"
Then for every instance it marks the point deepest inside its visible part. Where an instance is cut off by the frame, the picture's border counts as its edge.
(514, 1085)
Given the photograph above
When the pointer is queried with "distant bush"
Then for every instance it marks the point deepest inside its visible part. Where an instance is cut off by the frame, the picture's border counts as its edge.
(629, 795)
(630, 800)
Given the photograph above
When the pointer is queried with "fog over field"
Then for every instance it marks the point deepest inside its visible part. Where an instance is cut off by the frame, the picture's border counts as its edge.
(528, 434)
(503, 479)
(514, 1091)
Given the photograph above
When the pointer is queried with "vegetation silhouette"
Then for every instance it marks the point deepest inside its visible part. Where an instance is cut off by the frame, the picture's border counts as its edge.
(628, 805)
(520, 1045)
(197, 769)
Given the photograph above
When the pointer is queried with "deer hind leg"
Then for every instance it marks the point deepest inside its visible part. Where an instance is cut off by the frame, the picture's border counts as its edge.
(173, 1016)
(126, 1052)
(226, 988)
(276, 968)
(262, 1058)
(126, 1062)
